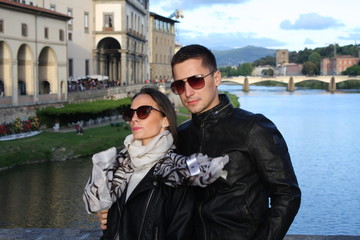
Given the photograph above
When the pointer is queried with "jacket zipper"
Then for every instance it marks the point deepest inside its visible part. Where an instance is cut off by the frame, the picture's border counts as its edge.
(202, 137)
(146, 209)
(200, 206)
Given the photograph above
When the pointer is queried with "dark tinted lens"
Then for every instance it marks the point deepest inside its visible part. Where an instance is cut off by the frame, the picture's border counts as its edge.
(143, 112)
(128, 114)
(196, 82)
(178, 87)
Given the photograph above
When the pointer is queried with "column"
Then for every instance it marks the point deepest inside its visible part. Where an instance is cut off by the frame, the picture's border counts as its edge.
(291, 85)
(246, 86)
(15, 85)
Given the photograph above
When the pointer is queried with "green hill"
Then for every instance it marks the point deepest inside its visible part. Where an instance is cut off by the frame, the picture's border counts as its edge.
(238, 56)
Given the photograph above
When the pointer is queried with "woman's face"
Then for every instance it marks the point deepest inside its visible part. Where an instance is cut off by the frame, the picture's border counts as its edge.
(146, 129)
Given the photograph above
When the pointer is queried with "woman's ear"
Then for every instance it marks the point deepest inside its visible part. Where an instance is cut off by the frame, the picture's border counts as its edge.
(165, 124)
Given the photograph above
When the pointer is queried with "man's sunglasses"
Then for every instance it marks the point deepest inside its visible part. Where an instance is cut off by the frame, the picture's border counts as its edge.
(142, 112)
(196, 82)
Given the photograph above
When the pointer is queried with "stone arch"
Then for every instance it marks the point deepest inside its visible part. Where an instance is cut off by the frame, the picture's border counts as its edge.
(5, 70)
(25, 70)
(108, 58)
(47, 71)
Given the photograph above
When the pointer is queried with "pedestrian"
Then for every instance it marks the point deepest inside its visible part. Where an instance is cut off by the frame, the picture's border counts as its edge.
(259, 197)
(133, 203)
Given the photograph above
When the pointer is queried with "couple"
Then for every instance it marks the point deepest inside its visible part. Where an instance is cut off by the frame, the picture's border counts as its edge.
(255, 196)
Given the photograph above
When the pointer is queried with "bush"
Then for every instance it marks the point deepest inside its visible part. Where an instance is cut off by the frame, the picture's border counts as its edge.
(20, 126)
(81, 111)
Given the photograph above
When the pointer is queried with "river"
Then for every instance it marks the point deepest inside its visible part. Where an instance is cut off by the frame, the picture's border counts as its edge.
(322, 132)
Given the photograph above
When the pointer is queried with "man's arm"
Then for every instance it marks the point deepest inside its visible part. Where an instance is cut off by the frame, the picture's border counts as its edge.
(274, 166)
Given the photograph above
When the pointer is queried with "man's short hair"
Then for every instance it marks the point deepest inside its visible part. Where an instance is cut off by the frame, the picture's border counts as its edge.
(195, 51)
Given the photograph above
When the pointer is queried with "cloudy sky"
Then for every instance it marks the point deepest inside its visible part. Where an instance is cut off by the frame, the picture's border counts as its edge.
(276, 24)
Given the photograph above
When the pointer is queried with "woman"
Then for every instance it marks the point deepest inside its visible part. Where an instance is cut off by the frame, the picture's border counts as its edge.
(142, 205)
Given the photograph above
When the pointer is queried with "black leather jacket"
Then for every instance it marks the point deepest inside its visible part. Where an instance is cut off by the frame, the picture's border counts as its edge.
(152, 211)
(259, 168)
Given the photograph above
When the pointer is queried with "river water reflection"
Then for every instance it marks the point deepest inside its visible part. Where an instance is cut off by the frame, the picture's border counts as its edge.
(45, 195)
(322, 131)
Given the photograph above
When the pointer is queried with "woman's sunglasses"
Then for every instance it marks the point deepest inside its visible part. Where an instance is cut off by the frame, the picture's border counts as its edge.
(142, 112)
(196, 82)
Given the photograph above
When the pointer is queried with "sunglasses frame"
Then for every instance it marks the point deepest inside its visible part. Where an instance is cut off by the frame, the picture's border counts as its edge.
(182, 82)
(129, 113)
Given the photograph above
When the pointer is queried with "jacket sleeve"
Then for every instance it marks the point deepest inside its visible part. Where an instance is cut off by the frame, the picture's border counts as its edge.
(271, 156)
(180, 217)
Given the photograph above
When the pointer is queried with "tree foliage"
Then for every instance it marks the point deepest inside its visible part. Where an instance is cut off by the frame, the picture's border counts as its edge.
(244, 69)
(268, 60)
(309, 69)
(352, 71)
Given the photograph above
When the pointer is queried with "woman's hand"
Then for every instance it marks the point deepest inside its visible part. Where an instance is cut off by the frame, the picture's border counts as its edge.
(103, 218)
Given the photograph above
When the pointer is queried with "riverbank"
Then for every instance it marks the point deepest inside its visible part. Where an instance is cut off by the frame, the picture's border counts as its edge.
(85, 234)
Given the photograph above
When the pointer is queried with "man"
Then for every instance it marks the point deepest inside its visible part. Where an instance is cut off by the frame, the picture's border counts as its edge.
(259, 197)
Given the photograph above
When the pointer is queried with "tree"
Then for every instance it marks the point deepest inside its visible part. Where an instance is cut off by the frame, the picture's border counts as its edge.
(268, 60)
(303, 56)
(309, 69)
(316, 59)
(245, 69)
(352, 71)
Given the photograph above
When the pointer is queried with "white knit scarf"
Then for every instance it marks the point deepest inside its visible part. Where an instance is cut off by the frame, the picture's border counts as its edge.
(144, 157)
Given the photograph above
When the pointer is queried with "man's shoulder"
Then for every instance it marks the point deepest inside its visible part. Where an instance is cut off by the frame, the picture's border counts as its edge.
(184, 125)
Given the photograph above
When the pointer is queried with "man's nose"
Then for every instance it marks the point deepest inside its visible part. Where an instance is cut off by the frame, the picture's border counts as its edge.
(189, 91)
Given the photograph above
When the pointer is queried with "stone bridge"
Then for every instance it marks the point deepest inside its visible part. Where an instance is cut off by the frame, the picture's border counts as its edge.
(291, 80)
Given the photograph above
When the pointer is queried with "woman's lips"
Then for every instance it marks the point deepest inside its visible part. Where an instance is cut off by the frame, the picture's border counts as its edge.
(136, 128)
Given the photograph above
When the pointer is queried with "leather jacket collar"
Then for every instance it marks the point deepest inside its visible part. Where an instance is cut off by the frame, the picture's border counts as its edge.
(219, 110)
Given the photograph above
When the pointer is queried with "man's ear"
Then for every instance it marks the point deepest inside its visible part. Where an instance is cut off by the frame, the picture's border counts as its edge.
(217, 77)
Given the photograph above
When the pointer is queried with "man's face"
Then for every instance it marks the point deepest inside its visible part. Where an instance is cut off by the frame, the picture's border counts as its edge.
(201, 100)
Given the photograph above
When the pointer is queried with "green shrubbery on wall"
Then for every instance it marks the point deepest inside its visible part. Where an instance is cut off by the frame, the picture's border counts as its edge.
(81, 111)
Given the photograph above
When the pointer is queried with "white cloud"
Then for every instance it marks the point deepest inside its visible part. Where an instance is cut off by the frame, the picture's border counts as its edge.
(311, 21)
(273, 24)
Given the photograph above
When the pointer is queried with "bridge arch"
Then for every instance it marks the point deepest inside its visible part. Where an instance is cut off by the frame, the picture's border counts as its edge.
(290, 80)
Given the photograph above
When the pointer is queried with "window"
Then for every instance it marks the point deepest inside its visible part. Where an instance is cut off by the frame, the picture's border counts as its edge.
(52, 7)
(24, 30)
(70, 36)
(46, 33)
(61, 35)
(87, 67)
(71, 67)
(70, 22)
(108, 22)
(1, 26)
(86, 22)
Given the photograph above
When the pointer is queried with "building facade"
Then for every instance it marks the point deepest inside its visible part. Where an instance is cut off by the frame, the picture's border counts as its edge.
(162, 47)
(282, 57)
(338, 64)
(68, 40)
(106, 38)
(33, 56)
